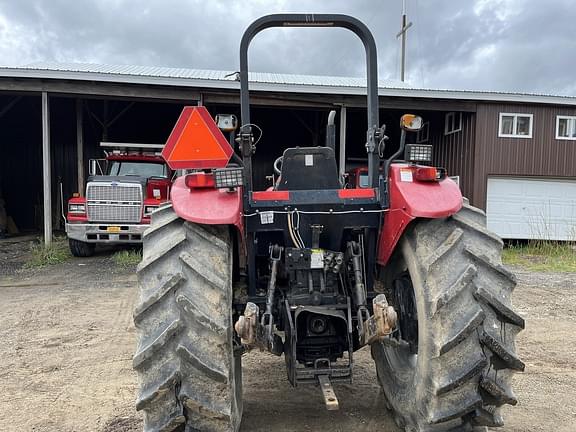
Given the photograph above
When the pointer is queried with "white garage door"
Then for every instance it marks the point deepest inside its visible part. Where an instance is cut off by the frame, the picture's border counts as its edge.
(532, 208)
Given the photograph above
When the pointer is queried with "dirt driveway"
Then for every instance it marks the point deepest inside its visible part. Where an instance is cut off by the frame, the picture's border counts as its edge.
(67, 341)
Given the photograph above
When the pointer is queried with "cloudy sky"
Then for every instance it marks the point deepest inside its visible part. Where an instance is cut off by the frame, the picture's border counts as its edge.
(504, 45)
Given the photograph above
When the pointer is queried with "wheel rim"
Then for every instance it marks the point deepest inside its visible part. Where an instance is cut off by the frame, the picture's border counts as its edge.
(405, 303)
(402, 353)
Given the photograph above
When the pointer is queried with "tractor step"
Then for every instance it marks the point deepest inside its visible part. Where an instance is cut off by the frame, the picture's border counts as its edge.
(330, 398)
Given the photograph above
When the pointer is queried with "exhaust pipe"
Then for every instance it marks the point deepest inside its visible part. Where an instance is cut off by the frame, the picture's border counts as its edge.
(331, 131)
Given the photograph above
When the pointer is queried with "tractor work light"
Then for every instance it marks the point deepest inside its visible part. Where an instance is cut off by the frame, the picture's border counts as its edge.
(76, 208)
(228, 177)
(418, 153)
(226, 122)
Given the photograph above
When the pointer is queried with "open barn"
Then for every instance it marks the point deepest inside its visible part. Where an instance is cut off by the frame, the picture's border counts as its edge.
(510, 153)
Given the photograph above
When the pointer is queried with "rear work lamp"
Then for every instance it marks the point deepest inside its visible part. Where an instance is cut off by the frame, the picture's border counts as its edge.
(199, 180)
(418, 153)
(429, 173)
(228, 177)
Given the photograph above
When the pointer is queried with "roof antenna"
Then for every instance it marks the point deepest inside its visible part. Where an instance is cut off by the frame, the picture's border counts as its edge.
(402, 33)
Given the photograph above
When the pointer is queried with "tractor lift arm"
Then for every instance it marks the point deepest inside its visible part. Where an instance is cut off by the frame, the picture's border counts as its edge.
(272, 340)
(260, 333)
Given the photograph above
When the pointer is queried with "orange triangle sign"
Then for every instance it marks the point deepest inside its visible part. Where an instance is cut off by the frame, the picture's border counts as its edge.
(196, 142)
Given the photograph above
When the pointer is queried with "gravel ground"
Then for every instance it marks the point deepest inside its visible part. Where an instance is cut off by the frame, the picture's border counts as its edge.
(68, 338)
(14, 253)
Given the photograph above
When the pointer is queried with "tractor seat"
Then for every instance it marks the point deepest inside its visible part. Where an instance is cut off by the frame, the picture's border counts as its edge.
(309, 168)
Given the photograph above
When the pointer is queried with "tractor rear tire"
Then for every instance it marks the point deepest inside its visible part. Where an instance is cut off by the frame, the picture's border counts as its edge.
(458, 372)
(190, 378)
(80, 248)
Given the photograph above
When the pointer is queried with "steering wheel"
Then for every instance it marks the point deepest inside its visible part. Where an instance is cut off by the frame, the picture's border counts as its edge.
(278, 165)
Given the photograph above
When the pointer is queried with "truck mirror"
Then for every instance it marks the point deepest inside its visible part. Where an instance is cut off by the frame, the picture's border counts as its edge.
(92, 167)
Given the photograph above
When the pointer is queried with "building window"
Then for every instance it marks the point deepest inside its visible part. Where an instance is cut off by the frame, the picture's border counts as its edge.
(453, 123)
(566, 127)
(515, 125)
(422, 134)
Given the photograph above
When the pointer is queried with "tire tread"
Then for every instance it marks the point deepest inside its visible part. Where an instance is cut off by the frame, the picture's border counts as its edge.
(185, 359)
(469, 347)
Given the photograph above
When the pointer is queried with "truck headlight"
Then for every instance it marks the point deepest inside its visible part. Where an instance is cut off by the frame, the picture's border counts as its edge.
(77, 208)
(148, 210)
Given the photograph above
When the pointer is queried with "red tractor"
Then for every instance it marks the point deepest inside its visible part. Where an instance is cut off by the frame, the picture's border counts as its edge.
(314, 271)
(122, 191)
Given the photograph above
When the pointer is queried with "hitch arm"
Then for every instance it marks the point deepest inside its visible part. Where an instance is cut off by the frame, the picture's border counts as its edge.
(355, 254)
(359, 290)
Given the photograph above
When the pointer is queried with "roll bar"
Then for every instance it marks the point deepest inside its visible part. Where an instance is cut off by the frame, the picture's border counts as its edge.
(313, 20)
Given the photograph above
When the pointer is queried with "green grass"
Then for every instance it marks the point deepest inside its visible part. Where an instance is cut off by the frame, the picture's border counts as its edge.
(127, 258)
(40, 256)
(546, 256)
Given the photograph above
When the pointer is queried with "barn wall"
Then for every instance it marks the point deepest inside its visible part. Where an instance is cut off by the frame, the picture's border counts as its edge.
(455, 151)
(542, 155)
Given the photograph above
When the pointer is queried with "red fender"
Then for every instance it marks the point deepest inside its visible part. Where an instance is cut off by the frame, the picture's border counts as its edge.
(411, 199)
(207, 206)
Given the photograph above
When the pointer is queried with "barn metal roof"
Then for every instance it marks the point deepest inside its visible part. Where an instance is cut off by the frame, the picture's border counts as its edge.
(272, 82)
(202, 74)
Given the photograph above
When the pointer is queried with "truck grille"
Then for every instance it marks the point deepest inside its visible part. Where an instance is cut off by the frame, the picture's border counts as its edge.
(113, 202)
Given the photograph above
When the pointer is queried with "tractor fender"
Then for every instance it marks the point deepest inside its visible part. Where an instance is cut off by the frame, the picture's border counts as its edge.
(411, 199)
(207, 206)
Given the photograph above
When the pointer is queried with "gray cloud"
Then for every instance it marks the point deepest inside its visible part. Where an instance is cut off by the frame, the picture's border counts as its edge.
(503, 45)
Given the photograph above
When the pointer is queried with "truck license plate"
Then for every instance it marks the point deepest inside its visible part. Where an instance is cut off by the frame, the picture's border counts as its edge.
(113, 229)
